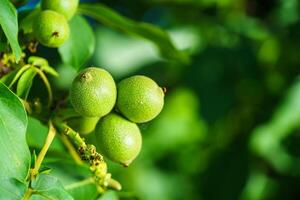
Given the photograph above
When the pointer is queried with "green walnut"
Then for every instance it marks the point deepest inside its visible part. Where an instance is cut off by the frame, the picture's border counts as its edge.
(119, 139)
(51, 28)
(139, 99)
(83, 125)
(93, 92)
(64, 7)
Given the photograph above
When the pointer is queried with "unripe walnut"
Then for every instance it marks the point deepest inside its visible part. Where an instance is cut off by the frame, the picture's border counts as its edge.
(51, 28)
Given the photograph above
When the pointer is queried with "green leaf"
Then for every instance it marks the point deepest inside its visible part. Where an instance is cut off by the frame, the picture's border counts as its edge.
(109, 195)
(49, 187)
(25, 83)
(266, 139)
(33, 157)
(49, 70)
(36, 134)
(76, 179)
(82, 190)
(12, 189)
(9, 24)
(114, 20)
(45, 170)
(3, 41)
(14, 152)
(43, 64)
(7, 78)
(37, 61)
(26, 23)
(81, 44)
(18, 74)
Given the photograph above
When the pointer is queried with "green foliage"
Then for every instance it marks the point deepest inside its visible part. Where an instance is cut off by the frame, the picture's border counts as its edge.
(48, 187)
(110, 195)
(26, 23)
(110, 18)
(25, 83)
(266, 139)
(35, 136)
(14, 150)
(81, 44)
(9, 25)
(230, 123)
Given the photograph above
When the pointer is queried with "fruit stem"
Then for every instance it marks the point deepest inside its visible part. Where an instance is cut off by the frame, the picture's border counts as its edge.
(88, 152)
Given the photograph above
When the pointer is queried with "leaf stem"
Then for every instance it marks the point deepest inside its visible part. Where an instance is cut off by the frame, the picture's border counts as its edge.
(39, 160)
(40, 157)
(47, 84)
(19, 73)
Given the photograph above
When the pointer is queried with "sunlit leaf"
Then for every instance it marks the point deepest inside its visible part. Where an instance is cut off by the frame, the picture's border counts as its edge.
(49, 187)
(14, 152)
(9, 24)
(25, 83)
(114, 20)
(80, 46)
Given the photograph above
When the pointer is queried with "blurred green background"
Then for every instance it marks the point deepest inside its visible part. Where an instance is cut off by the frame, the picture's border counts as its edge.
(230, 126)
